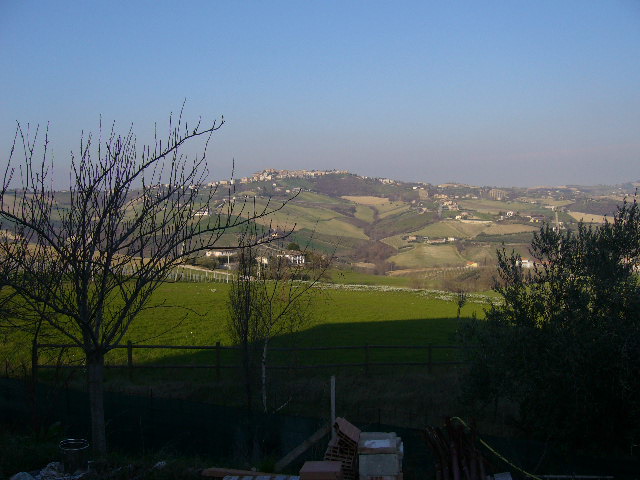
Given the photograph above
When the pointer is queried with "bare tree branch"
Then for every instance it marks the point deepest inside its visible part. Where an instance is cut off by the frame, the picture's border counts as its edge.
(87, 261)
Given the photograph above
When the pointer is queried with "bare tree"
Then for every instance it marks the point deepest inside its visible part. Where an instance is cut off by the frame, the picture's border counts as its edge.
(461, 300)
(272, 294)
(243, 322)
(88, 260)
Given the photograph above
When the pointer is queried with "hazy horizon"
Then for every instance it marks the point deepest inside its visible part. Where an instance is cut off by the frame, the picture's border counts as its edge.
(482, 93)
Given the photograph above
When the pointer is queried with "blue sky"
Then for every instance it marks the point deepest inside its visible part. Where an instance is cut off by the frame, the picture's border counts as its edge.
(488, 93)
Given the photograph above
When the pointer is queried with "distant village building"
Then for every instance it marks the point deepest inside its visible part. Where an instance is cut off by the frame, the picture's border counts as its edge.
(293, 257)
(525, 263)
(262, 260)
(227, 252)
(270, 174)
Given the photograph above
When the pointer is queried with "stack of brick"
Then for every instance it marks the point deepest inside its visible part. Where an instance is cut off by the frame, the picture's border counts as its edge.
(327, 470)
(343, 448)
(380, 456)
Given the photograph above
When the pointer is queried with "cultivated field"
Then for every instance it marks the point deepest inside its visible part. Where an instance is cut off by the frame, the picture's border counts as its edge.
(451, 228)
(366, 199)
(392, 208)
(396, 241)
(506, 229)
(314, 218)
(365, 213)
(313, 197)
(587, 217)
(545, 201)
(423, 255)
(493, 207)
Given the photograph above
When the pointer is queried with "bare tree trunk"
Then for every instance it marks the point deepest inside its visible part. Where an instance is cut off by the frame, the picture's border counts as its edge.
(246, 364)
(265, 349)
(95, 379)
(33, 389)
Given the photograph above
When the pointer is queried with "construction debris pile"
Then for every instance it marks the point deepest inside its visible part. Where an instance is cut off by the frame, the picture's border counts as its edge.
(343, 448)
(355, 455)
(380, 456)
(350, 455)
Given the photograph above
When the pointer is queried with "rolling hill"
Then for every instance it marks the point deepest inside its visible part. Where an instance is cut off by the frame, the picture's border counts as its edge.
(410, 225)
(395, 225)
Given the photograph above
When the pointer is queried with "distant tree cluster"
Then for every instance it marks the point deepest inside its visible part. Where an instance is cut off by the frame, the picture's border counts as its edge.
(376, 253)
(598, 206)
(564, 347)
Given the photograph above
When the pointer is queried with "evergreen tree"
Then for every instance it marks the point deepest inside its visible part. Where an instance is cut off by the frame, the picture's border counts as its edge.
(564, 346)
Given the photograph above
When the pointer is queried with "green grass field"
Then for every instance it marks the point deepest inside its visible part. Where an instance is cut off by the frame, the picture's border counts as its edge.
(423, 255)
(202, 309)
(347, 277)
(196, 314)
(396, 241)
(441, 229)
(344, 315)
(483, 254)
(313, 197)
(341, 228)
(507, 229)
(410, 258)
(365, 213)
(391, 208)
(545, 201)
(494, 206)
(451, 228)
(313, 218)
(587, 217)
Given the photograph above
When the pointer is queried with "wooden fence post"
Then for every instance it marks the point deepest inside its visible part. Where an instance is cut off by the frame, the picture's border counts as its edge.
(35, 421)
(130, 358)
(34, 362)
(218, 361)
(430, 359)
(366, 359)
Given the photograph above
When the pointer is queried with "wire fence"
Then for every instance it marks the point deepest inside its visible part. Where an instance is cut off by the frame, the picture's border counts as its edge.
(221, 357)
(185, 274)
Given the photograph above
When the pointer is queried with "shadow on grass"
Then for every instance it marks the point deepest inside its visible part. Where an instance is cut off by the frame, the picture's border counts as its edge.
(397, 333)
(407, 396)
